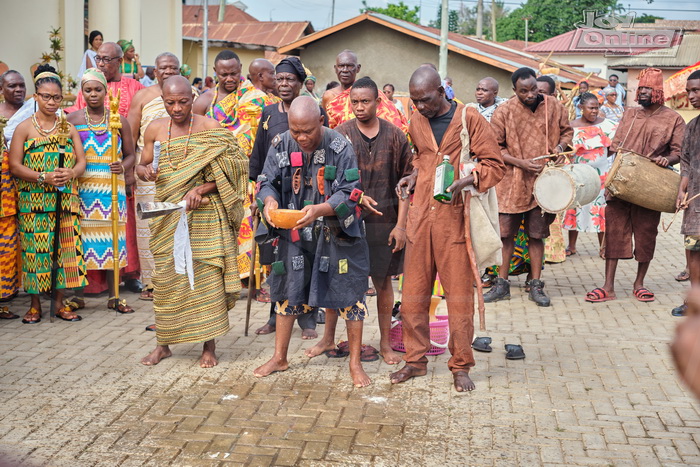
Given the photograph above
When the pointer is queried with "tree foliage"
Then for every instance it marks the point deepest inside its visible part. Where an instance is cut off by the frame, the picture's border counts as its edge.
(395, 10)
(549, 18)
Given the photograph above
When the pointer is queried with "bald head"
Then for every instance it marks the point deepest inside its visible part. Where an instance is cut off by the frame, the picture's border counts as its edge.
(346, 68)
(262, 74)
(176, 85)
(111, 49)
(306, 123)
(427, 93)
(486, 91)
(425, 77)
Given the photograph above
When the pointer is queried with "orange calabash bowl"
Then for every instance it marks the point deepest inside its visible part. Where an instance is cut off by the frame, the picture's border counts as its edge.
(286, 218)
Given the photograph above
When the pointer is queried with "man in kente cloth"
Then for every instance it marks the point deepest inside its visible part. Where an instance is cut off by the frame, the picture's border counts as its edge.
(527, 126)
(690, 186)
(323, 261)
(108, 60)
(290, 74)
(238, 105)
(196, 280)
(146, 107)
(384, 157)
(339, 108)
(655, 132)
(435, 232)
(14, 90)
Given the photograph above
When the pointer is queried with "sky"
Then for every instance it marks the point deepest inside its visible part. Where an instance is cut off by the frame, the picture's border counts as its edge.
(319, 11)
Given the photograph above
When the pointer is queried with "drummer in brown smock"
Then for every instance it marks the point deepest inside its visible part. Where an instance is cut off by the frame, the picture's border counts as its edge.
(690, 187)
(656, 132)
(527, 126)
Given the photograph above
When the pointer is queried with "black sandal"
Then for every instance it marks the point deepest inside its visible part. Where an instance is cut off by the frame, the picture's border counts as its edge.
(482, 344)
(514, 352)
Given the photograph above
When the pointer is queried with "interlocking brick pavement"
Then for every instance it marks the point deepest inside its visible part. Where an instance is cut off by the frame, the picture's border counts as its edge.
(597, 388)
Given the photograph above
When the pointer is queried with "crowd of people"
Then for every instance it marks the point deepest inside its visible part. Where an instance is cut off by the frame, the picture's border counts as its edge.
(357, 166)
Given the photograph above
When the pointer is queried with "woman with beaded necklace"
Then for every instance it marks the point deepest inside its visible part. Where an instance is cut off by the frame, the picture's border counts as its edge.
(95, 187)
(46, 166)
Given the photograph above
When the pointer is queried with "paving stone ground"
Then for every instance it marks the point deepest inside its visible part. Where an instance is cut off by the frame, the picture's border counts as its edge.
(597, 388)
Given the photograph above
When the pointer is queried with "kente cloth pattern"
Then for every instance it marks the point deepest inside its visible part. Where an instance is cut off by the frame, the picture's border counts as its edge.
(591, 144)
(37, 221)
(355, 312)
(438, 290)
(240, 112)
(9, 250)
(340, 111)
(95, 190)
(250, 107)
(520, 261)
(199, 315)
(145, 192)
(127, 87)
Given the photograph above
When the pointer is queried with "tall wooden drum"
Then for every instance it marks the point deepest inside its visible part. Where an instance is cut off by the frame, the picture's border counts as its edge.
(636, 179)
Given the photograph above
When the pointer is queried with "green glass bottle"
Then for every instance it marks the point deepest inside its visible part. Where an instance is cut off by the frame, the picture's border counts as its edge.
(444, 177)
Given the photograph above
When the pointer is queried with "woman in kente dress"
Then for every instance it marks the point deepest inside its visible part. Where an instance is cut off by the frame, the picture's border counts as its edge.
(46, 157)
(95, 185)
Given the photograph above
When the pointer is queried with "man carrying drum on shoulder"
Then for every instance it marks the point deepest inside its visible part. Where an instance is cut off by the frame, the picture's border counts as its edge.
(655, 132)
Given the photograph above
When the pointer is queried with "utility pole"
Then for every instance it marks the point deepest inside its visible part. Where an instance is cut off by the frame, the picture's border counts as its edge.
(480, 19)
(333, 13)
(222, 11)
(527, 27)
(445, 19)
(205, 39)
(493, 20)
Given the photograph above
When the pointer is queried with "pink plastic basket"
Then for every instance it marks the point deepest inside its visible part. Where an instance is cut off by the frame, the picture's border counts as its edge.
(439, 336)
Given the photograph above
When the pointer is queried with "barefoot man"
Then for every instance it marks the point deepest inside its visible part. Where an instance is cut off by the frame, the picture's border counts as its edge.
(323, 261)
(384, 157)
(196, 280)
(435, 232)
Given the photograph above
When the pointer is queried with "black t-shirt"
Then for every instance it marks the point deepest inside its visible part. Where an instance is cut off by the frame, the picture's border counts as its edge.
(440, 123)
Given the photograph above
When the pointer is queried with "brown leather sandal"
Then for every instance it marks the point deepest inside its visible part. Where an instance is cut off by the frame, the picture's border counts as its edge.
(67, 314)
(32, 313)
(119, 305)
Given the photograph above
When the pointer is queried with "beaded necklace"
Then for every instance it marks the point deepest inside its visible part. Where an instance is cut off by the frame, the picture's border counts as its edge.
(41, 131)
(210, 112)
(92, 126)
(187, 143)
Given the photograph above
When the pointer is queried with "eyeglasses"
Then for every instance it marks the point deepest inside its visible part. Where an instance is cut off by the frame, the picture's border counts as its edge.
(50, 97)
(105, 59)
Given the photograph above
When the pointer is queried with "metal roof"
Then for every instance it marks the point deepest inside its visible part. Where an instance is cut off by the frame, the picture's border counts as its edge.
(492, 53)
(683, 55)
(240, 29)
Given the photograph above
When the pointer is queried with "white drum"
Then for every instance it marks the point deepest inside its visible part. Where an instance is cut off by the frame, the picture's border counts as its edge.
(560, 188)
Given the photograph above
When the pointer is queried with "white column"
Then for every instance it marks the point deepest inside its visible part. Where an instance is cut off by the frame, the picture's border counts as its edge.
(103, 15)
(130, 22)
(71, 14)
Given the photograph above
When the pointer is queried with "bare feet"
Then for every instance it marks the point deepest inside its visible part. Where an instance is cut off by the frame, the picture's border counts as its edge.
(273, 366)
(154, 358)
(358, 375)
(308, 334)
(319, 349)
(463, 382)
(208, 359)
(390, 357)
(406, 373)
(267, 329)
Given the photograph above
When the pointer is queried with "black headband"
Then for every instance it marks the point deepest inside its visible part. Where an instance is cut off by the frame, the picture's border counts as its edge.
(291, 65)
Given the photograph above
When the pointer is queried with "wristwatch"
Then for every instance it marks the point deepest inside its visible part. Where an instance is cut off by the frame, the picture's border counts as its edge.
(40, 179)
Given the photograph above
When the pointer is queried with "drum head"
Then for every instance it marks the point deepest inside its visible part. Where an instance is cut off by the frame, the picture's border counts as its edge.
(554, 190)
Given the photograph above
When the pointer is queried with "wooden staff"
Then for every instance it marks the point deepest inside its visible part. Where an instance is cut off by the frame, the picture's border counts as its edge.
(63, 134)
(115, 125)
(252, 282)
